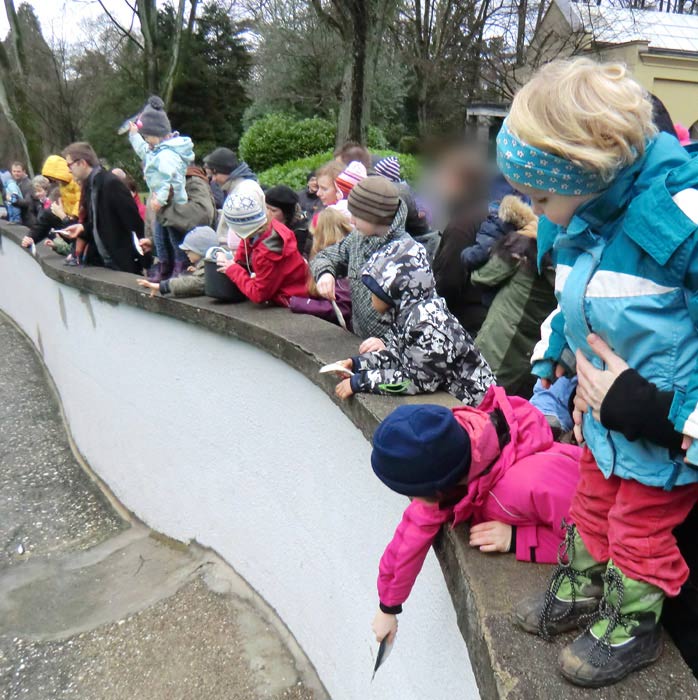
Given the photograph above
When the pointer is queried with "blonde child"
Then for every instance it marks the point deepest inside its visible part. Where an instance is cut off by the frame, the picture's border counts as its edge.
(331, 228)
(166, 156)
(329, 191)
(619, 210)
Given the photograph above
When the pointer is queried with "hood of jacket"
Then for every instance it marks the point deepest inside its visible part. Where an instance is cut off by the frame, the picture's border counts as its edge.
(181, 145)
(528, 433)
(399, 273)
(57, 168)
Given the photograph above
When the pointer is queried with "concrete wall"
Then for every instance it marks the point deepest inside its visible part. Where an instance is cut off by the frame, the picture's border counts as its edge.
(207, 437)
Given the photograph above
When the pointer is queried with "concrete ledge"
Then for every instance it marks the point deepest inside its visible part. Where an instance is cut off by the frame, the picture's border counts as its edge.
(427, 661)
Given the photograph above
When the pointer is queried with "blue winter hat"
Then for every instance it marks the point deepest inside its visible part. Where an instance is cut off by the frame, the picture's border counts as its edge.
(420, 450)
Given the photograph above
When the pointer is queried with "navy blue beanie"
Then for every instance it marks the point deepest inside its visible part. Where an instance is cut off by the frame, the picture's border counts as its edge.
(420, 450)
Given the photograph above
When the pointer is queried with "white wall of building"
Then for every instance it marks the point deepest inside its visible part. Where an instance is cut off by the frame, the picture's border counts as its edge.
(208, 438)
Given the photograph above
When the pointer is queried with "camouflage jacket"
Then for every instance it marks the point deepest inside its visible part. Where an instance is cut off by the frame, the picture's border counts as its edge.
(428, 348)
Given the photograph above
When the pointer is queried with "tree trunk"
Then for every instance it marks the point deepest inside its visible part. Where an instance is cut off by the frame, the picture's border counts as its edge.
(148, 15)
(357, 122)
(175, 57)
(521, 31)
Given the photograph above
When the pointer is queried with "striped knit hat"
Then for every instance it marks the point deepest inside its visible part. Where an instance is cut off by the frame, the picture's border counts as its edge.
(353, 173)
(389, 167)
(375, 199)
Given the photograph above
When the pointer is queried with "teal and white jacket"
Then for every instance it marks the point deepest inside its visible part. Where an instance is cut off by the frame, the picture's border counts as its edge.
(627, 269)
(165, 166)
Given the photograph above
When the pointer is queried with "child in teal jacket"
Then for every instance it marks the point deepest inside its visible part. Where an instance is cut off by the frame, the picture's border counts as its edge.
(619, 211)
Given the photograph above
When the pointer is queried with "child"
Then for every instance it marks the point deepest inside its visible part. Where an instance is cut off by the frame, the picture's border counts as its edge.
(267, 266)
(12, 194)
(379, 219)
(332, 227)
(56, 170)
(495, 466)
(327, 190)
(621, 217)
(428, 349)
(195, 245)
(524, 299)
(166, 156)
(282, 205)
(308, 198)
(40, 187)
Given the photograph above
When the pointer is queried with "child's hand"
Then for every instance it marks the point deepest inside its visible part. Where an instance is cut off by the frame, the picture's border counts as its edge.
(343, 389)
(133, 127)
(492, 536)
(27, 242)
(146, 245)
(191, 268)
(371, 345)
(559, 372)
(384, 624)
(325, 286)
(223, 262)
(347, 364)
(154, 287)
(685, 445)
(57, 210)
(155, 203)
(48, 243)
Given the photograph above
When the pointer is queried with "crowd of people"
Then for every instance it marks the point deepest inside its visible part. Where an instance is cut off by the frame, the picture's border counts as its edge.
(556, 301)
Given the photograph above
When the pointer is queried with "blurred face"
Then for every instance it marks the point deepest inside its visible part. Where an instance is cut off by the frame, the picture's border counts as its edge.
(193, 257)
(326, 190)
(276, 214)
(18, 172)
(40, 192)
(213, 176)
(312, 185)
(558, 208)
(152, 141)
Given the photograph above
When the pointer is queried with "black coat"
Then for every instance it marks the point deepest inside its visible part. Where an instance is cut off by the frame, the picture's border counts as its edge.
(118, 220)
(27, 204)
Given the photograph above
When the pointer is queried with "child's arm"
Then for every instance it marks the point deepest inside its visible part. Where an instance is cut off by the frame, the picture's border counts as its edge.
(404, 556)
(551, 355)
(333, 260)
(138, 143)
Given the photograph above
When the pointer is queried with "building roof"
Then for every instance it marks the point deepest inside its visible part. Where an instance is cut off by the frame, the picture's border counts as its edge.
(617, 25)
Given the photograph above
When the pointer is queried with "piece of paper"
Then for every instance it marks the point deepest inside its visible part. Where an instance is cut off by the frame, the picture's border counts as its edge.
(384, 650)
(339, 315)
(336, 367)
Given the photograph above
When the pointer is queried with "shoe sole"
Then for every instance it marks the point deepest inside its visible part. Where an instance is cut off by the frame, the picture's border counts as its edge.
(555, 628)
(583, 683)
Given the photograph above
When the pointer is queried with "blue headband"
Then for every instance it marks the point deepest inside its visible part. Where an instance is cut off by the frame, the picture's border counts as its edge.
(528, 165)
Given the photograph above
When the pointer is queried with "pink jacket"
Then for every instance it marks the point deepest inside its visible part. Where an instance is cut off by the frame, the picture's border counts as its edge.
(528, 483)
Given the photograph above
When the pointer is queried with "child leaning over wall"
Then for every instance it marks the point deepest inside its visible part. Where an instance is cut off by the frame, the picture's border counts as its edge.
(495, 466)
(427, 348)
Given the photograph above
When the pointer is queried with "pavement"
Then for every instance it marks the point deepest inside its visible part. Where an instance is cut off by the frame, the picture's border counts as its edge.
(93, 604)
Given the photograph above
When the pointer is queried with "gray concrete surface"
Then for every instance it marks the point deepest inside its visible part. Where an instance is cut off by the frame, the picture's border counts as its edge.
(95, 606)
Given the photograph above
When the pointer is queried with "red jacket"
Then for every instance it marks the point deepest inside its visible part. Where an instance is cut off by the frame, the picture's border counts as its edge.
(280, 271)
(528, 484)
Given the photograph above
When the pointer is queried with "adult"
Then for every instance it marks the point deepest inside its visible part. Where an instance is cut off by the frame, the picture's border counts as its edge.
(622, 400)
(225, 171)
(198, 210)
(25, 203)
(283, 206)
(109, 220)
(308, 198)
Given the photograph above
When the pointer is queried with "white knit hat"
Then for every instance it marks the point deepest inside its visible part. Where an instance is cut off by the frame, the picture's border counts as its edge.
(244, 209)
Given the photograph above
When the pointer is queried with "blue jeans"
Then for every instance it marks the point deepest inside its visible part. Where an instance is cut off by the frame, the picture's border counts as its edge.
(167, 241)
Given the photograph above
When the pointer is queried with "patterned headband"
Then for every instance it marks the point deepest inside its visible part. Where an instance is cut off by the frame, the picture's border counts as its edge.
(528, 165)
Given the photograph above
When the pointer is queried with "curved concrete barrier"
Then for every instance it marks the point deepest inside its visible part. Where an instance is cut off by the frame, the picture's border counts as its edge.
(221, 431)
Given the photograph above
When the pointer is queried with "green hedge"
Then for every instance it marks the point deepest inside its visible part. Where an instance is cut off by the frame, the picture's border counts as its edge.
(279, 138)
(295, 172)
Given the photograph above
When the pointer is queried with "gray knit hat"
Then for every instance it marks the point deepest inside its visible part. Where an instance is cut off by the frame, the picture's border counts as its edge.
(222, 160)
(153, 120)
(374, 199)
(199, 240)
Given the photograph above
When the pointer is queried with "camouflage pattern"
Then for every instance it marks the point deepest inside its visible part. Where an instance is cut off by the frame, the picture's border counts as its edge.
(347, 258)
(428, 349)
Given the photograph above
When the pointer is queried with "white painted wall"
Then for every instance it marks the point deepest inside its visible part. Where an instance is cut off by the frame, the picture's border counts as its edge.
(205, 437)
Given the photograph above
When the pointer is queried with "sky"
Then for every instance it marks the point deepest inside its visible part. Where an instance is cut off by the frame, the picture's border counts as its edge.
(61, 18)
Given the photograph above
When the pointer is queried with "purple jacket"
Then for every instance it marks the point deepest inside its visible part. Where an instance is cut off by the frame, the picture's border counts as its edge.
(322, 308)
(529, 485)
